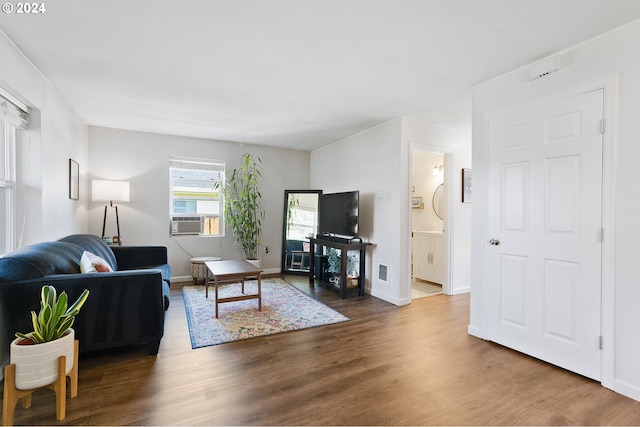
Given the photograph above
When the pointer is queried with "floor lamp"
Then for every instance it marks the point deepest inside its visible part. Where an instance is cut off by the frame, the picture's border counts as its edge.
(110, 191)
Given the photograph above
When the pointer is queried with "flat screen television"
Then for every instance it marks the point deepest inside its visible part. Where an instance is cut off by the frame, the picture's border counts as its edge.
(338, 214)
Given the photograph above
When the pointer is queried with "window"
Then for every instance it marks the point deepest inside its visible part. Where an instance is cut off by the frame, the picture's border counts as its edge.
(13, 116)
(196, 196)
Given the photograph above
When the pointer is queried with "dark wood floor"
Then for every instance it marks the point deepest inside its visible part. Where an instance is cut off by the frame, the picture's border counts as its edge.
(413, 365)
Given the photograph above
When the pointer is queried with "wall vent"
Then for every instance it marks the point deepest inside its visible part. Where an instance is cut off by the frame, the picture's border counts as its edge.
(383, 272)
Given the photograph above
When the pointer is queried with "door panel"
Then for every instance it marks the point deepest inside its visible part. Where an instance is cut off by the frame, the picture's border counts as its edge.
(515, 203)
(544, 194)
(560, 299)
(563, 190)
(514, 276)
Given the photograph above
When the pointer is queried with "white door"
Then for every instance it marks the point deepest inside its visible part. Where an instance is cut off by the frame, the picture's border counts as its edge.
(544, 194)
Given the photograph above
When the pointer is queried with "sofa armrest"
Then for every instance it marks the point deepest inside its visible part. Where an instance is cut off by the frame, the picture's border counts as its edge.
(132, 257)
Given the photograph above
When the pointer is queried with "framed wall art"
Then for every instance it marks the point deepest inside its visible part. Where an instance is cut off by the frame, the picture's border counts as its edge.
(74, 180)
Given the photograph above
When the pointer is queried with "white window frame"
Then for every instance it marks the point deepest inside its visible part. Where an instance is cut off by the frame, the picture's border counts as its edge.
(8, 183)
(13, 116)
(193, 223)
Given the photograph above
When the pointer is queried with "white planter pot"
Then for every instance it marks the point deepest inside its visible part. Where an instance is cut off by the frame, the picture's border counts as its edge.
(37, 364)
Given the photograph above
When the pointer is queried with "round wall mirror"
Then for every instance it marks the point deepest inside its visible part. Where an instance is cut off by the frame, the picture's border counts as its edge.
(438, 201)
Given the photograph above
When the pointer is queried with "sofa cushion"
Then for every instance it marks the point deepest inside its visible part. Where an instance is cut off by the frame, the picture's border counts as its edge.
(91, 263)
(40, 260)
(95, 245)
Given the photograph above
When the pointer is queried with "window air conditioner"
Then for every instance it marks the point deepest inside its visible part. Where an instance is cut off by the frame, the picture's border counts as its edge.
(187, 225)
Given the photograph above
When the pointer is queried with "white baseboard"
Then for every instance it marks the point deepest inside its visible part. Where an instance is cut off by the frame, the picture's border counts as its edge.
(627, 389)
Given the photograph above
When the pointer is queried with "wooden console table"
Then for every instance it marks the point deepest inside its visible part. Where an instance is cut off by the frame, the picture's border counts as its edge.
(344, 247)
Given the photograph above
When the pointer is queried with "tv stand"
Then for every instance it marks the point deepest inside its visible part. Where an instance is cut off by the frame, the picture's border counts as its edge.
(344, 245)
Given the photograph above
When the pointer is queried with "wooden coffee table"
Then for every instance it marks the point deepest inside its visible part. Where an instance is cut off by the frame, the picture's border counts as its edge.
(227, 271)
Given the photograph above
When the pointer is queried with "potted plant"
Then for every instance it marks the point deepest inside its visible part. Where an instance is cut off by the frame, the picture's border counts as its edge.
(334, 259)
(243, 210)
(35, 354)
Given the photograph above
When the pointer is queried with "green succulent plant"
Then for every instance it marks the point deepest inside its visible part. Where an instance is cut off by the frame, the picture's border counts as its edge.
(55, 317)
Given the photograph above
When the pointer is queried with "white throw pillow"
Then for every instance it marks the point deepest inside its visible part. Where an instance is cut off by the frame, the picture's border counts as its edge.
(91, 263)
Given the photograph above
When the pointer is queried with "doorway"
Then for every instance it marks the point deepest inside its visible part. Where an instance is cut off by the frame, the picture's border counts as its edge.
(429, 202)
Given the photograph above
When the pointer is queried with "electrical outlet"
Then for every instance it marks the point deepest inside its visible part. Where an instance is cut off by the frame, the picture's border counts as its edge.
(266, 249)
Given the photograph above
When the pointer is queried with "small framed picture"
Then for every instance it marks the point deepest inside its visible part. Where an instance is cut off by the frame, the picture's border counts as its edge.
(416, 202)
(466, 186)
(74, 180)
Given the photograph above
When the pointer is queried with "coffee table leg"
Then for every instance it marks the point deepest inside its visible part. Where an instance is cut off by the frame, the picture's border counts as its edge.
(259, 292)
(206, 285)
(216, 285)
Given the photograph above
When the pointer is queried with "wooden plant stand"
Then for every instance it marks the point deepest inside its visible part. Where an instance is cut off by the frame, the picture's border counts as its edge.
(12, 394)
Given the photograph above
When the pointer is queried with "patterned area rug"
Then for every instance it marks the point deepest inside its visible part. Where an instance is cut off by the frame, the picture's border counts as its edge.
(284, 308)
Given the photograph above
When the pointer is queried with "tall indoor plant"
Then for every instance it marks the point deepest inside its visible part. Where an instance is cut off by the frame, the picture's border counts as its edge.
(243, 210)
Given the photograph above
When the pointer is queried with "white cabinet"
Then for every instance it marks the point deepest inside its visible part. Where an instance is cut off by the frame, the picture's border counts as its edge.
(428, 256)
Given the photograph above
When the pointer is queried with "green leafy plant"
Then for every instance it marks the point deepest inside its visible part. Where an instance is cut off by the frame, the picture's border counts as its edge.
(243, 210)
(334, 259)
(292, 203)
(55, 318)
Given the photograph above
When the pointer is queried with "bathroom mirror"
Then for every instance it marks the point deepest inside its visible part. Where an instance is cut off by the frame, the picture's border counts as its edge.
(438, 201)
(300, 221)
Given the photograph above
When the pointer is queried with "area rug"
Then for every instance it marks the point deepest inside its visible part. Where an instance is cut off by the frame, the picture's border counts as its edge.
(284, 308)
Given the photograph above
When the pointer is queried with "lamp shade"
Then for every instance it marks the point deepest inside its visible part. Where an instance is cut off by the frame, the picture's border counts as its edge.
(109, 191)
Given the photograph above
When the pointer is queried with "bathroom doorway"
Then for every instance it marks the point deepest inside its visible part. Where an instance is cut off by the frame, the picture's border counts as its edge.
(429, 247)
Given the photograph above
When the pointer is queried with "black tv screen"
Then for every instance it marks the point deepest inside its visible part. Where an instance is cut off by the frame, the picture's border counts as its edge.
(338, 214)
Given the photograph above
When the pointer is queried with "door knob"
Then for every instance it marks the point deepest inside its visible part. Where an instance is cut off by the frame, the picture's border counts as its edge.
(494, 242)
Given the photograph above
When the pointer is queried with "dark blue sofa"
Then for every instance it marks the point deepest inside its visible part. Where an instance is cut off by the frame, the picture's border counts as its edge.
(126, 306)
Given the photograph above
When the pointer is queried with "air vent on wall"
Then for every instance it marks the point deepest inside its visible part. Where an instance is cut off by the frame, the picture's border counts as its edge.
(383, 272)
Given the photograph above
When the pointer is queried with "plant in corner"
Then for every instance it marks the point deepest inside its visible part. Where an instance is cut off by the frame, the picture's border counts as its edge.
(52, 337)
(243, 210)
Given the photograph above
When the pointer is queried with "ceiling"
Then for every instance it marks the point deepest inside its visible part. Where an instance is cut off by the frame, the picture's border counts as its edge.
(291, 73)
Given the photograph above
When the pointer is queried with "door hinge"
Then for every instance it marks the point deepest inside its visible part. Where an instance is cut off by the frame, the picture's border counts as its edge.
(600, 235)
(601, 342)
(602, 124)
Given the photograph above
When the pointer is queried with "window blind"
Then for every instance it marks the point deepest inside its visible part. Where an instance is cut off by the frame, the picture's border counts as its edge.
(10, 112)
(196, 164)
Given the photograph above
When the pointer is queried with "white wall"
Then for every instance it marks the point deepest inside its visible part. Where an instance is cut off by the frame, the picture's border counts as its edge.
(56, 134)
(370, 162)
(143, 160)
(377, 163)
(612, 57)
